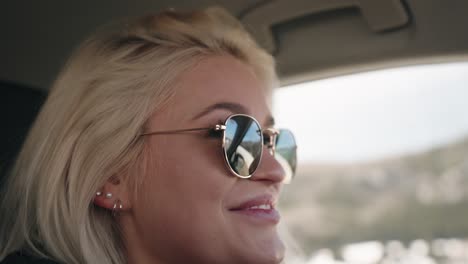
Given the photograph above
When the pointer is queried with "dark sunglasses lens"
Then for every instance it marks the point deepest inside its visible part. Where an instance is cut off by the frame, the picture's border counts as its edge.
(285, 153)
(243, 144)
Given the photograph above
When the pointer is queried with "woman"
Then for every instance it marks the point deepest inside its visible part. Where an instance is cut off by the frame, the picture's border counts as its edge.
(147, 150)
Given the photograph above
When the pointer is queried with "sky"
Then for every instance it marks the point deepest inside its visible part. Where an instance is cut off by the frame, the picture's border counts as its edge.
(374, 115)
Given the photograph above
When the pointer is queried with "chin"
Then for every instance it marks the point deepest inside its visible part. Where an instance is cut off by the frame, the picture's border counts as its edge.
(268, 258)
(269, 253)
(276, 257)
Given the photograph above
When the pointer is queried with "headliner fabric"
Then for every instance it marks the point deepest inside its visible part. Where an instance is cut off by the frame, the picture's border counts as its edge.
(19, 106)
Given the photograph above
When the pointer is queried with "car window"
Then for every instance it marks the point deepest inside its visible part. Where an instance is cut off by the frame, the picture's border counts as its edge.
(383, 165)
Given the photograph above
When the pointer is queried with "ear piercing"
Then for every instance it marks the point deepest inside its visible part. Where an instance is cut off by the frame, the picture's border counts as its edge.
(108, 195)
(117, 207)
(117, 204)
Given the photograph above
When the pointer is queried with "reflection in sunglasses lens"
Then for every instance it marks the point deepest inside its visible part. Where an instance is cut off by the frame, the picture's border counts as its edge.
(285, 153)
(243, 144)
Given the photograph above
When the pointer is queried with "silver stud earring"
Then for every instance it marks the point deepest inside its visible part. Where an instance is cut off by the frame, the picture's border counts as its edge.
(108, 195)
(98, 193)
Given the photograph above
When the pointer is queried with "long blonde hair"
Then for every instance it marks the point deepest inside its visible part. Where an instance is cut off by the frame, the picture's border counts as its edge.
(87, 130)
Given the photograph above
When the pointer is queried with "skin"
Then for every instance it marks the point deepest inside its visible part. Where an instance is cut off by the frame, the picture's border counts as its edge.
(180, 213)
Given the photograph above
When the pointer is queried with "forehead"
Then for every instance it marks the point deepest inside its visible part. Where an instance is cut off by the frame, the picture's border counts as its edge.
(220, 79)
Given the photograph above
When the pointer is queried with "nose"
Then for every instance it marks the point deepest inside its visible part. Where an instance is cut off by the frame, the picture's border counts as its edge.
(269, 168)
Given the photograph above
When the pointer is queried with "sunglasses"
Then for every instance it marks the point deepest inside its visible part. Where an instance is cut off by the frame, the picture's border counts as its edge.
(242, 144)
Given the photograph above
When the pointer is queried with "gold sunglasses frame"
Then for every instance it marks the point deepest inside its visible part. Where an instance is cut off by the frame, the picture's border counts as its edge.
(271, 132)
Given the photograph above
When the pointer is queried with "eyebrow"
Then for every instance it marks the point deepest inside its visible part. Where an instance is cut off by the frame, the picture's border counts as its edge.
(232, 107)
(235, 108)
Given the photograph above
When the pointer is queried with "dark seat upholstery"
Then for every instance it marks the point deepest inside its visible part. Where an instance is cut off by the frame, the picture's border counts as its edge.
(19, 106)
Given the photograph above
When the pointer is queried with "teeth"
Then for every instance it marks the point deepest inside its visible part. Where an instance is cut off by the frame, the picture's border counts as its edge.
(262, 206)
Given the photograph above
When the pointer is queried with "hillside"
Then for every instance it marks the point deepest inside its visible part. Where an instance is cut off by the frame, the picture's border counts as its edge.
(422, 195)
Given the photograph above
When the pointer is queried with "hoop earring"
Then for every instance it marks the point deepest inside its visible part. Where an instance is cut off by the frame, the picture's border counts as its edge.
(117, 207)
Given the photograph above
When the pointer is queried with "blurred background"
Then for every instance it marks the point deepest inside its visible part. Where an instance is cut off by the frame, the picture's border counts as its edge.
(383, 166)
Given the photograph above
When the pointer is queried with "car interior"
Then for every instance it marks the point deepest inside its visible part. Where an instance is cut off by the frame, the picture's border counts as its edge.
(387, 182)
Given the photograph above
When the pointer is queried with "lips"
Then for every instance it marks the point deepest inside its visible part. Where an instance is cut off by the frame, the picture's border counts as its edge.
(255, 203)
(260, 209)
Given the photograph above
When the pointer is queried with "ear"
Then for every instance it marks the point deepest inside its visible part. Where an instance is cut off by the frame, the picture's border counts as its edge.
(113, 194)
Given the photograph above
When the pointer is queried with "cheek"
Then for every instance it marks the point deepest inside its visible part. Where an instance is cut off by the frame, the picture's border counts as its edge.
(182, 195)
(189, 169)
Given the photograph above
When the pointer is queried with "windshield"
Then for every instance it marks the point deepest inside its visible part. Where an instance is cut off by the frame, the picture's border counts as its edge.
(383, 165)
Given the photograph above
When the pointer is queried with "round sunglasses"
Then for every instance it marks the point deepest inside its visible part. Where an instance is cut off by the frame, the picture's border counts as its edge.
(242, 143)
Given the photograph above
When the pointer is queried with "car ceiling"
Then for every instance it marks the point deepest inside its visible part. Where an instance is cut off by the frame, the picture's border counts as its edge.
(311, 39)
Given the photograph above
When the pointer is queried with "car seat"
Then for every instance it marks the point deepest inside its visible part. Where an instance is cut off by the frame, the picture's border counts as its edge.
(19, 105)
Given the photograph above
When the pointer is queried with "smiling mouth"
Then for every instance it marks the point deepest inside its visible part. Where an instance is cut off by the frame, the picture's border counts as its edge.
(259, 210)
(262, 207)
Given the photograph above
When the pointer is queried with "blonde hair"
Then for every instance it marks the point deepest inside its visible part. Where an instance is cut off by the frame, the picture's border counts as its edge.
(87, 130)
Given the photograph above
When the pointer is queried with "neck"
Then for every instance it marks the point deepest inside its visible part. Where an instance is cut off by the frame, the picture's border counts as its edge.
(136, 251)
